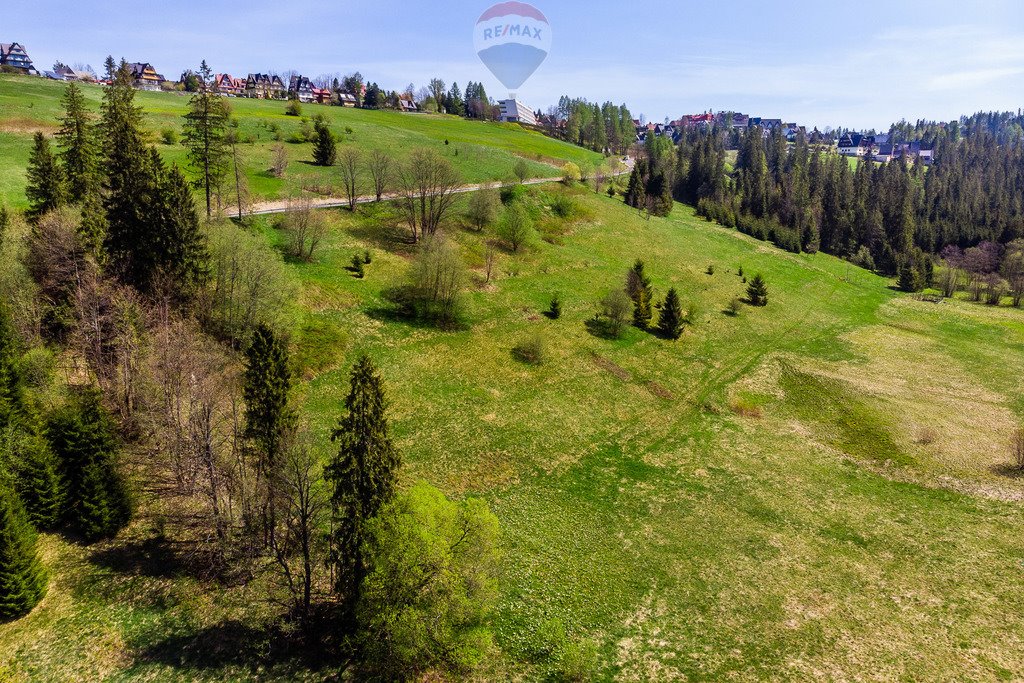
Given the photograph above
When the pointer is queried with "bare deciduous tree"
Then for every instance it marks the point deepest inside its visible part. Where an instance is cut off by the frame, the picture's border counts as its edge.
(428, 185)
(305, 227)
(279, 163)
(380, 166)
(348, 160)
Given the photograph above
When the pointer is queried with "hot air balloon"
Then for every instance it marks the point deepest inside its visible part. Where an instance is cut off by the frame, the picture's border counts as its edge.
(512, 39)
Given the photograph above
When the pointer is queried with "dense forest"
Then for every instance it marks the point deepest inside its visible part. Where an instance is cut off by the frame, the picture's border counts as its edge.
(895, 217)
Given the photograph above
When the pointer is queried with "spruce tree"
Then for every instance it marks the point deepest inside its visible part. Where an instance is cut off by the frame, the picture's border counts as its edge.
(93, 226)
(269, 420)
(83, 438)
(46, 190)
(670, 322)
(642, 310)
(180, 244)
(129, 182)
(77, 143)
(757, 291)
(363, 475)
(324, 147)
(205, 135)
(638, 287)
(23, 578)
(34, 475)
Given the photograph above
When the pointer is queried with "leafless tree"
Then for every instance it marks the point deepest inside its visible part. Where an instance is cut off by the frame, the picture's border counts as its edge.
(305, 227)
(348, 161)
(428, 185)
(380, 166)
(490, 257)
(242, 197)
(1017, 447)
(296, 542)
(280, 160)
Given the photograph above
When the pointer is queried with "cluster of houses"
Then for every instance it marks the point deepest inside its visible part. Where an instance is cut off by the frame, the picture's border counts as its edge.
(881, 148)
(255, 85)
(676, 129)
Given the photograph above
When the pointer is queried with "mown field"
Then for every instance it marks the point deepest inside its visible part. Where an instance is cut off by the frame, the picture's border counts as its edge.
(482, 152)
(816, 490)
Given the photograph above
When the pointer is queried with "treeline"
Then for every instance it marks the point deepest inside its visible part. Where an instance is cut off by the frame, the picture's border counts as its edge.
(179, 371)
(606, 128)
(888, 217)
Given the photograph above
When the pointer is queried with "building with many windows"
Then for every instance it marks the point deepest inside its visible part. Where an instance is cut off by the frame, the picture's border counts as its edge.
(14, 56)
(515, 111)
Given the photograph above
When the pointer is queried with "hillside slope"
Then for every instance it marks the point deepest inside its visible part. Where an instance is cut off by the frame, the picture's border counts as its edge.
(481, 151)
(811, 490)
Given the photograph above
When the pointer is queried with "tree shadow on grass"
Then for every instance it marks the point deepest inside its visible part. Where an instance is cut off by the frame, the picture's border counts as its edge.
(254, 646)
(1008, 470)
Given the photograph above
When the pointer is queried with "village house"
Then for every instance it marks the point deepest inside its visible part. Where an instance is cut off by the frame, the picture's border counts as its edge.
(226, 85)
(321, 95)
(70, 74)
(301, 88)
(346, 99)
(406, 103)
(145, 76)
(264, 87)
(13, 56)
(855, 145)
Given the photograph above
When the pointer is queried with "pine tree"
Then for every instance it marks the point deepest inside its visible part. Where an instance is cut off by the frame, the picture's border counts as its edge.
(35, 476)
(83, 438)
(670, 322)
(46, 189)
(129, 182)
(180, 245)
(109, 68)
(23, 578)
(757, 291)
(363, 475)
(324, 147)
(267, 385)
(77, 142)
(93, 226)
(642, 310)
(205, 135)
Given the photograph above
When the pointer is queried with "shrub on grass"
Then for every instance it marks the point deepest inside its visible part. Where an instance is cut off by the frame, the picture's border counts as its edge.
(512, 193)
(564, 206)
(1017, 448)
(571, 174)
(367, 258)
(614, 310)
(711, 269)
(578, 662)
(169, 136)
(482, 208)
(357, 266)
(293, 108)
(516, 227)
(734, 306)
(531, 350)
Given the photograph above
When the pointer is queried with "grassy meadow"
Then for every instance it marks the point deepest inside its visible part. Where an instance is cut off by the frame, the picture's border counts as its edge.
(480, 151)
(815, 490)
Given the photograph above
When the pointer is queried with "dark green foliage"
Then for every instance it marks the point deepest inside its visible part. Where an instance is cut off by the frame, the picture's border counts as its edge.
(78, 144)
(46, 189)
(293, 108)
(12, 399)
(325, 149)
(357, 266)
(757, 291)
(910, 279)
(23, 578)
(129, 184)
(93, 226)
(269, 420)
(83, 438)
(670, 321)
(531, 349)
(180, 245)
(555, 308)
(34, 474)
(367, 258)
(362, 476)
(638, 287)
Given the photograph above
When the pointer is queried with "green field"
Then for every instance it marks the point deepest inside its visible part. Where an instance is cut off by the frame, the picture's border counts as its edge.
(481, 152)
(816, 490)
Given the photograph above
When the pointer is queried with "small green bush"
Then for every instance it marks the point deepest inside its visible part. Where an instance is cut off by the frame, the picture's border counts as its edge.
(357, 266)
(578, 662)
(531, 350)
(555, 309)
(294, 108)
(169, 136)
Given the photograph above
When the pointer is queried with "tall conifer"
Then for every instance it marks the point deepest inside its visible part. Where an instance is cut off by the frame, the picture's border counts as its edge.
(23, 578)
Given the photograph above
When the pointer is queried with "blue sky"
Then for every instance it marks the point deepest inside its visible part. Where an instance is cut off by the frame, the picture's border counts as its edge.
(821, 62)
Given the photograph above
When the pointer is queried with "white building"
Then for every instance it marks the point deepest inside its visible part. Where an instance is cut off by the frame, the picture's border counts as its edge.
(515, 111)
